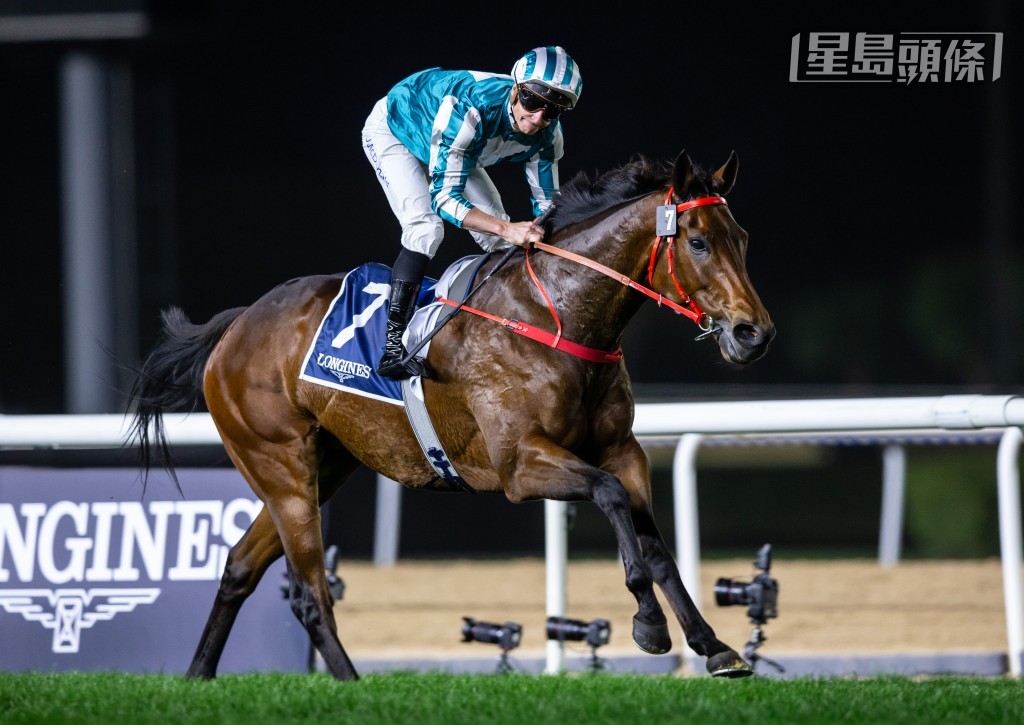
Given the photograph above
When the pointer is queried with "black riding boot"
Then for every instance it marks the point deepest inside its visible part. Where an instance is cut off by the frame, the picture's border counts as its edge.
(401, 307)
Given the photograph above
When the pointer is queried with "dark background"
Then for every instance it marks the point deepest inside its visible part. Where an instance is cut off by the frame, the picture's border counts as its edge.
(884, 219)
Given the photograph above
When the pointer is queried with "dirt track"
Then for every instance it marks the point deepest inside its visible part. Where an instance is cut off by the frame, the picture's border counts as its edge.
(850, 607)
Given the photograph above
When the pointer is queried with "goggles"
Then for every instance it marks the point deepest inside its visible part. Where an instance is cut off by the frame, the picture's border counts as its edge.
(535, 98)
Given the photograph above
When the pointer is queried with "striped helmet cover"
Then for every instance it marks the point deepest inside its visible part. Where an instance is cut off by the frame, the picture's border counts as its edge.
(550, 66)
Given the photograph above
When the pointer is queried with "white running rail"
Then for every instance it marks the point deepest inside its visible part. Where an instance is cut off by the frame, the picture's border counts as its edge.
(693, 423)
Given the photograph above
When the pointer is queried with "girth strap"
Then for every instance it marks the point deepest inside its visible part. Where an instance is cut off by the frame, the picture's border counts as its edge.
(419, 419)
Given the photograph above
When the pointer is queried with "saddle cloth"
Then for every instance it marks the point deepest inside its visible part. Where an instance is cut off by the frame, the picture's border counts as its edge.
(349, 342)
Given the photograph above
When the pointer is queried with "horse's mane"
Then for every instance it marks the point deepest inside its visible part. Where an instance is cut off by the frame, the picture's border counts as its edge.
(588, 194)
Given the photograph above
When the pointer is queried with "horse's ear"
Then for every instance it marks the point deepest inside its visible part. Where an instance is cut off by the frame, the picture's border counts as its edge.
(725, 177)
(682, 175)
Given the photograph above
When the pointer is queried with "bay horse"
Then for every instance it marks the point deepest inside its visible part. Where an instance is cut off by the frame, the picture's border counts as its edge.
(515, 416)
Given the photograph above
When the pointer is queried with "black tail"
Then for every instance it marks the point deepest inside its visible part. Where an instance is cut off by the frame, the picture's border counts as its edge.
(171, 379)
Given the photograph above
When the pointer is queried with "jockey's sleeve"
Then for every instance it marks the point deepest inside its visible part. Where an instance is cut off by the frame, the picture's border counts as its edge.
(456, 143)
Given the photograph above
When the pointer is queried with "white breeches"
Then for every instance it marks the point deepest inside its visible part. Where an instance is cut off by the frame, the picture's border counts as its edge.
(407, 187)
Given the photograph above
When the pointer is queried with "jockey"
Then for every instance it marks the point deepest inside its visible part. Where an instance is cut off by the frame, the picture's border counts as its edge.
(429, 141)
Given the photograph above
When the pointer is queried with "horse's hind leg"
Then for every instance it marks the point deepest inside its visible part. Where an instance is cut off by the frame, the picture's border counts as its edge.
(247, 561)
(285, 477)
(252, 555)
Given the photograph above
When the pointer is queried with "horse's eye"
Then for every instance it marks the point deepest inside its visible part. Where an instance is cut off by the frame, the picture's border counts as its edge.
(697, 244)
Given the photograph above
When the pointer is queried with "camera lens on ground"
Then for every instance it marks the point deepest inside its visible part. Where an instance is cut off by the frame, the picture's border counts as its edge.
(507, 635)
(731, 591)
(596, 632)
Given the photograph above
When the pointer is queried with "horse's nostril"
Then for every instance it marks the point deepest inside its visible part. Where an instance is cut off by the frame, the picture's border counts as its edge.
(748, 335)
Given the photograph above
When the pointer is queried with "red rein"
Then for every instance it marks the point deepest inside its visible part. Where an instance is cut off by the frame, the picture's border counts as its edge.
(689, 307)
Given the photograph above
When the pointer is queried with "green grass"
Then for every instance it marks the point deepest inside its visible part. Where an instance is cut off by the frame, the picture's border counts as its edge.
(424, 699)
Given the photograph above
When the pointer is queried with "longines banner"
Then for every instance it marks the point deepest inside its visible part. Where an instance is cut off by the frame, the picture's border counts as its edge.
(96, 577)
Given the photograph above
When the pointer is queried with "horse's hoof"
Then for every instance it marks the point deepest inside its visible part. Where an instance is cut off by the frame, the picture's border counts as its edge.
(653, 639)
(728, 664)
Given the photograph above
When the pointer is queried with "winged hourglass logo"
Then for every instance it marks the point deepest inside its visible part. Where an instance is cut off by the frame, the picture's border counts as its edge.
(68, 611)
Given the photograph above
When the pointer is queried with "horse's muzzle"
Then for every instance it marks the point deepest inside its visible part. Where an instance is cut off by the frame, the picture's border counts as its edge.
(744, 342)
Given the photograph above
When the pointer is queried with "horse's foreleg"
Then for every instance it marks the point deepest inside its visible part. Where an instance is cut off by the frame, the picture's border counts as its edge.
(545, 470)
(722, 660)
(650, 628)
(629, 463)
(247, 561)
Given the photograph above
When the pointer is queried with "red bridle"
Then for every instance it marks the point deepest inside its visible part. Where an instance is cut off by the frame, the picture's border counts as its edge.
(689, 306)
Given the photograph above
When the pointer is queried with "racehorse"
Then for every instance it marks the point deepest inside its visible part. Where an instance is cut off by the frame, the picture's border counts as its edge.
(546, 416)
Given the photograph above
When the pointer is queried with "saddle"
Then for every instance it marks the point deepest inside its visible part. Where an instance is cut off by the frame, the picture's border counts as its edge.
(346, 347)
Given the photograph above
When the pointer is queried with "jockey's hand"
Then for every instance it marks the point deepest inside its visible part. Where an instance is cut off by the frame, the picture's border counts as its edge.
(523, 234)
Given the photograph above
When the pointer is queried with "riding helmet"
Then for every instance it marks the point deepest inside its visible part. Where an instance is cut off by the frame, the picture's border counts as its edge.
(550, 66)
